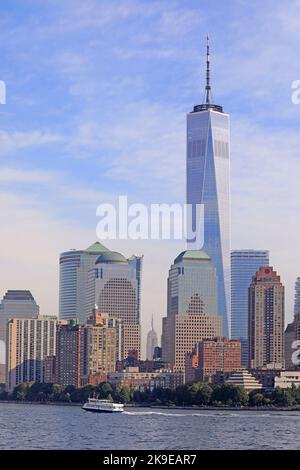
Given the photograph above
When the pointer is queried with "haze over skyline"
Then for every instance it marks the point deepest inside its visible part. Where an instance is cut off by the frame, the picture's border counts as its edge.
(97, 97)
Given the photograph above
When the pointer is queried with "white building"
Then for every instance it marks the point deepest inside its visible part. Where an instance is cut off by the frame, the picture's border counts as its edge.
(287, 378)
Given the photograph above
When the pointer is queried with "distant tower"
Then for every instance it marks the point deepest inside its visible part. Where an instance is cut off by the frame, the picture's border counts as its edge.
(207, 169)
(266, 320)
(152, 342)
(15, 304)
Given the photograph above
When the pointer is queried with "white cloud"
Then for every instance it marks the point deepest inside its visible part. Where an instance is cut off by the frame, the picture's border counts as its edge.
(13, 175)
(17, 140)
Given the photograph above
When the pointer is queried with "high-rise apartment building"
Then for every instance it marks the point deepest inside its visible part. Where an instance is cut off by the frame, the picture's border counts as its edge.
(98, 350)
(207, 168)
(15, 304)
(74, 266)
(266, 320)
(244, 265)
(29, 342)
(68, 349)
(192, 307)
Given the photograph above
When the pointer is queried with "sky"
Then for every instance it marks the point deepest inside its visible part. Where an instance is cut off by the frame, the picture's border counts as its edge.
(97, 97)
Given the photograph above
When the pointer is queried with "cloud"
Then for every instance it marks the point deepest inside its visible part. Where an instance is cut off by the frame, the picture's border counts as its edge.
(17, 140)
(13, 175)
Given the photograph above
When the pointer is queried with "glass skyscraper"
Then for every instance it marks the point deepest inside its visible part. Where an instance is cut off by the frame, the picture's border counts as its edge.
(244, 265)
(297, 296)
(208, 184)
(74, 266)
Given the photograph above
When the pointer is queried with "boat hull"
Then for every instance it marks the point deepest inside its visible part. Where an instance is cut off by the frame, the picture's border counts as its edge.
(94, 410)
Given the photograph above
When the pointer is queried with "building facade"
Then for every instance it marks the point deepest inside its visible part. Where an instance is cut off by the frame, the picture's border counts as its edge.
(97, 352)
(266, 320)
(297, 296)
(136, 380)
(114, 284)
(219, 354)
(192, 306)
(29, 343)
(208, 184)
(74, 266)
(244, 265)
(68, 348)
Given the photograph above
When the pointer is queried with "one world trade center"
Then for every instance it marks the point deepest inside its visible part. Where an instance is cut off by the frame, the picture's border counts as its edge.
(207, 170)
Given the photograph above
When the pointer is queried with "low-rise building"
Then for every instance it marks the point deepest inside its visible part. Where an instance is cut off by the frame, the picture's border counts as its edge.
(136, 380)
(287, 379)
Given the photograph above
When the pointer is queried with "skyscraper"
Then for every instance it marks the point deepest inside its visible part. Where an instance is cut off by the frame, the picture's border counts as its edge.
(207, 169)
(152, 342)
(15, 304)
(297, 296)
(74, 267)
(244, 265)
(114, 284)
(266, 320)
(192, 306)
(29, 342)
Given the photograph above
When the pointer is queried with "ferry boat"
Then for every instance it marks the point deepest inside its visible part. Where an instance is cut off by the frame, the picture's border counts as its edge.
(102, 406)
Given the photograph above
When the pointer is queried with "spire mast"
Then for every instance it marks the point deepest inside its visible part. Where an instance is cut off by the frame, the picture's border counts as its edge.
(208, 87)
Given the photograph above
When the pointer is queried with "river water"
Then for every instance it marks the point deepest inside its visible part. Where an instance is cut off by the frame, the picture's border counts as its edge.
(24, 426)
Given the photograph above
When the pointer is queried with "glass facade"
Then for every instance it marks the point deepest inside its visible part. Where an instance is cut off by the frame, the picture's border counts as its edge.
(192, 285)
(114, 285)
(208, 184)
(74, 266)
(244, 265)
(297, 296)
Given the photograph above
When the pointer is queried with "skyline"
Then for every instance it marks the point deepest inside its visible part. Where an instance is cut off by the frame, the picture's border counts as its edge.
(88, 124)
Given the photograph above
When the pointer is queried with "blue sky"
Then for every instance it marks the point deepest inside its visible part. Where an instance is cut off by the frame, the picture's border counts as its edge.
(97, 96)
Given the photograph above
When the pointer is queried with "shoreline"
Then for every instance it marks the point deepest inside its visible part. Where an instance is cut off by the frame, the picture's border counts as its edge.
(165, 407)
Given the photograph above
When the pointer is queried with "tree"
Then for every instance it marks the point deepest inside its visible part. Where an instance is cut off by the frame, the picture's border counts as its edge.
(203, 395)
(123, 394)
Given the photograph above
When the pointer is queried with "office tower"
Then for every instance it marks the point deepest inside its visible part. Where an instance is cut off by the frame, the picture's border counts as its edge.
(152, 342)
(15, 304)
(297, 296)
(218, 355)
(74, 266)
(207, 168)
(289, 339)
(68, 354)
(192, 306)
(266, 320)
(29, 342)
(98, 350)
(114, 284)
(244, 265)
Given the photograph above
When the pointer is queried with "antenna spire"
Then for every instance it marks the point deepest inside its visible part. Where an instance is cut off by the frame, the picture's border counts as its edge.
(152, 322)
(208, 87)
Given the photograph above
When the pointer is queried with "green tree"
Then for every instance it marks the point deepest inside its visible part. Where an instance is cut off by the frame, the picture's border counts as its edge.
(203, 395)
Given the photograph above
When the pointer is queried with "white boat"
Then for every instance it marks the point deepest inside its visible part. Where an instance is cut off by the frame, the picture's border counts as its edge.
(102, 406)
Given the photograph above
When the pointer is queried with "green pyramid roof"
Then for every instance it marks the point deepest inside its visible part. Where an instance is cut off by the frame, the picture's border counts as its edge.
(97, 247)
(192, 255)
